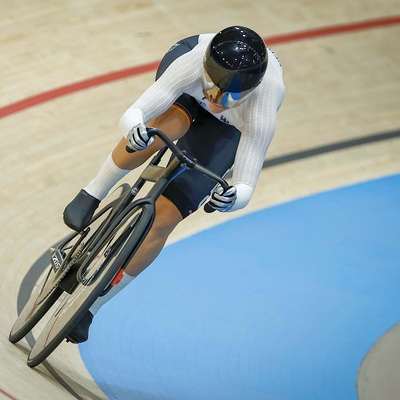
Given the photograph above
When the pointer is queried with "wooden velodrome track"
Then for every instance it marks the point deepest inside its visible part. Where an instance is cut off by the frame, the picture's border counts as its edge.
(343, 86)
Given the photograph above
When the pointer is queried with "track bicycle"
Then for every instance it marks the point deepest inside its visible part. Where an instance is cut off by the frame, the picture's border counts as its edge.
(85, 265)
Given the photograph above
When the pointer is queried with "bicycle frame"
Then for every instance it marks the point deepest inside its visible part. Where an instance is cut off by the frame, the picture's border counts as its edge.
(92, 259)
(160, 177)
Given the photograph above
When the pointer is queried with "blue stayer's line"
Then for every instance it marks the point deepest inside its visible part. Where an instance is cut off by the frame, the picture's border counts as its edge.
(280, 304)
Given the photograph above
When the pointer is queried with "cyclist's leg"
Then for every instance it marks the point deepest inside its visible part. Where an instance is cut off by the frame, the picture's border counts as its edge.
(167, 218)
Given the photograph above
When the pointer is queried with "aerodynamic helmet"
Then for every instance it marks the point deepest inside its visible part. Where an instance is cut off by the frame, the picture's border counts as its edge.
(235, 62)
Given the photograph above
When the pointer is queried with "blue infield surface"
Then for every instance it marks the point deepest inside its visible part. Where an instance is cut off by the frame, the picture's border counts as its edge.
(281, 304)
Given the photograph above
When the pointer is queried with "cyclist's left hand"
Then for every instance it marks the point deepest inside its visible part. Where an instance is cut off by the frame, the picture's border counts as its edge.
(223, 201)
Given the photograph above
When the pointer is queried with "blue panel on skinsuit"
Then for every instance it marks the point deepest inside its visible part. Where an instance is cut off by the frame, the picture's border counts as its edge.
(281, 304)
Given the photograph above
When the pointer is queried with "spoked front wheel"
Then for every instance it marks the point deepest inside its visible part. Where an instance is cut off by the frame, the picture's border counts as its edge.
(98, 271)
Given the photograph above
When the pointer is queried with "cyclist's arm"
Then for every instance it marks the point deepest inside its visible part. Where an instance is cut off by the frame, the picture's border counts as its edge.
(256, 135)
(182, 76)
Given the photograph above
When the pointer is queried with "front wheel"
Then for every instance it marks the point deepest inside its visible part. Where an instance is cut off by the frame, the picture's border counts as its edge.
(108, 257)
(42, 298)
(47, 291)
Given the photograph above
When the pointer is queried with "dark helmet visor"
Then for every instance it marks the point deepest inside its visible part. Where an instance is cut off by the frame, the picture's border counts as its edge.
(235, 67)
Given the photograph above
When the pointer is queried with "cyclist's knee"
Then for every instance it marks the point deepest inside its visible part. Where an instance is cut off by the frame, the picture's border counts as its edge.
(167, 217)
(174, 122)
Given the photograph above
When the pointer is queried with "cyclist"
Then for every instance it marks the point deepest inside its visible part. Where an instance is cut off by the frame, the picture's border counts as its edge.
(219, 95)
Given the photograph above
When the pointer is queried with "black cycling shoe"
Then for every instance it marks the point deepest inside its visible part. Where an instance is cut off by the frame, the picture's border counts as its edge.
(78, 213)
(81, 331)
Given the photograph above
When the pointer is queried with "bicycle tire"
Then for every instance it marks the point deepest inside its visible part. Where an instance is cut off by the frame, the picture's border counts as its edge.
(44, 295)
(108, 261)
(47, 291)
(32, 313)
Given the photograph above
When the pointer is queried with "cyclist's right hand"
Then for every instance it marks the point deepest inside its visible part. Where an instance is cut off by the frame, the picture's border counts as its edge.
(222, 200)
(138, 139)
